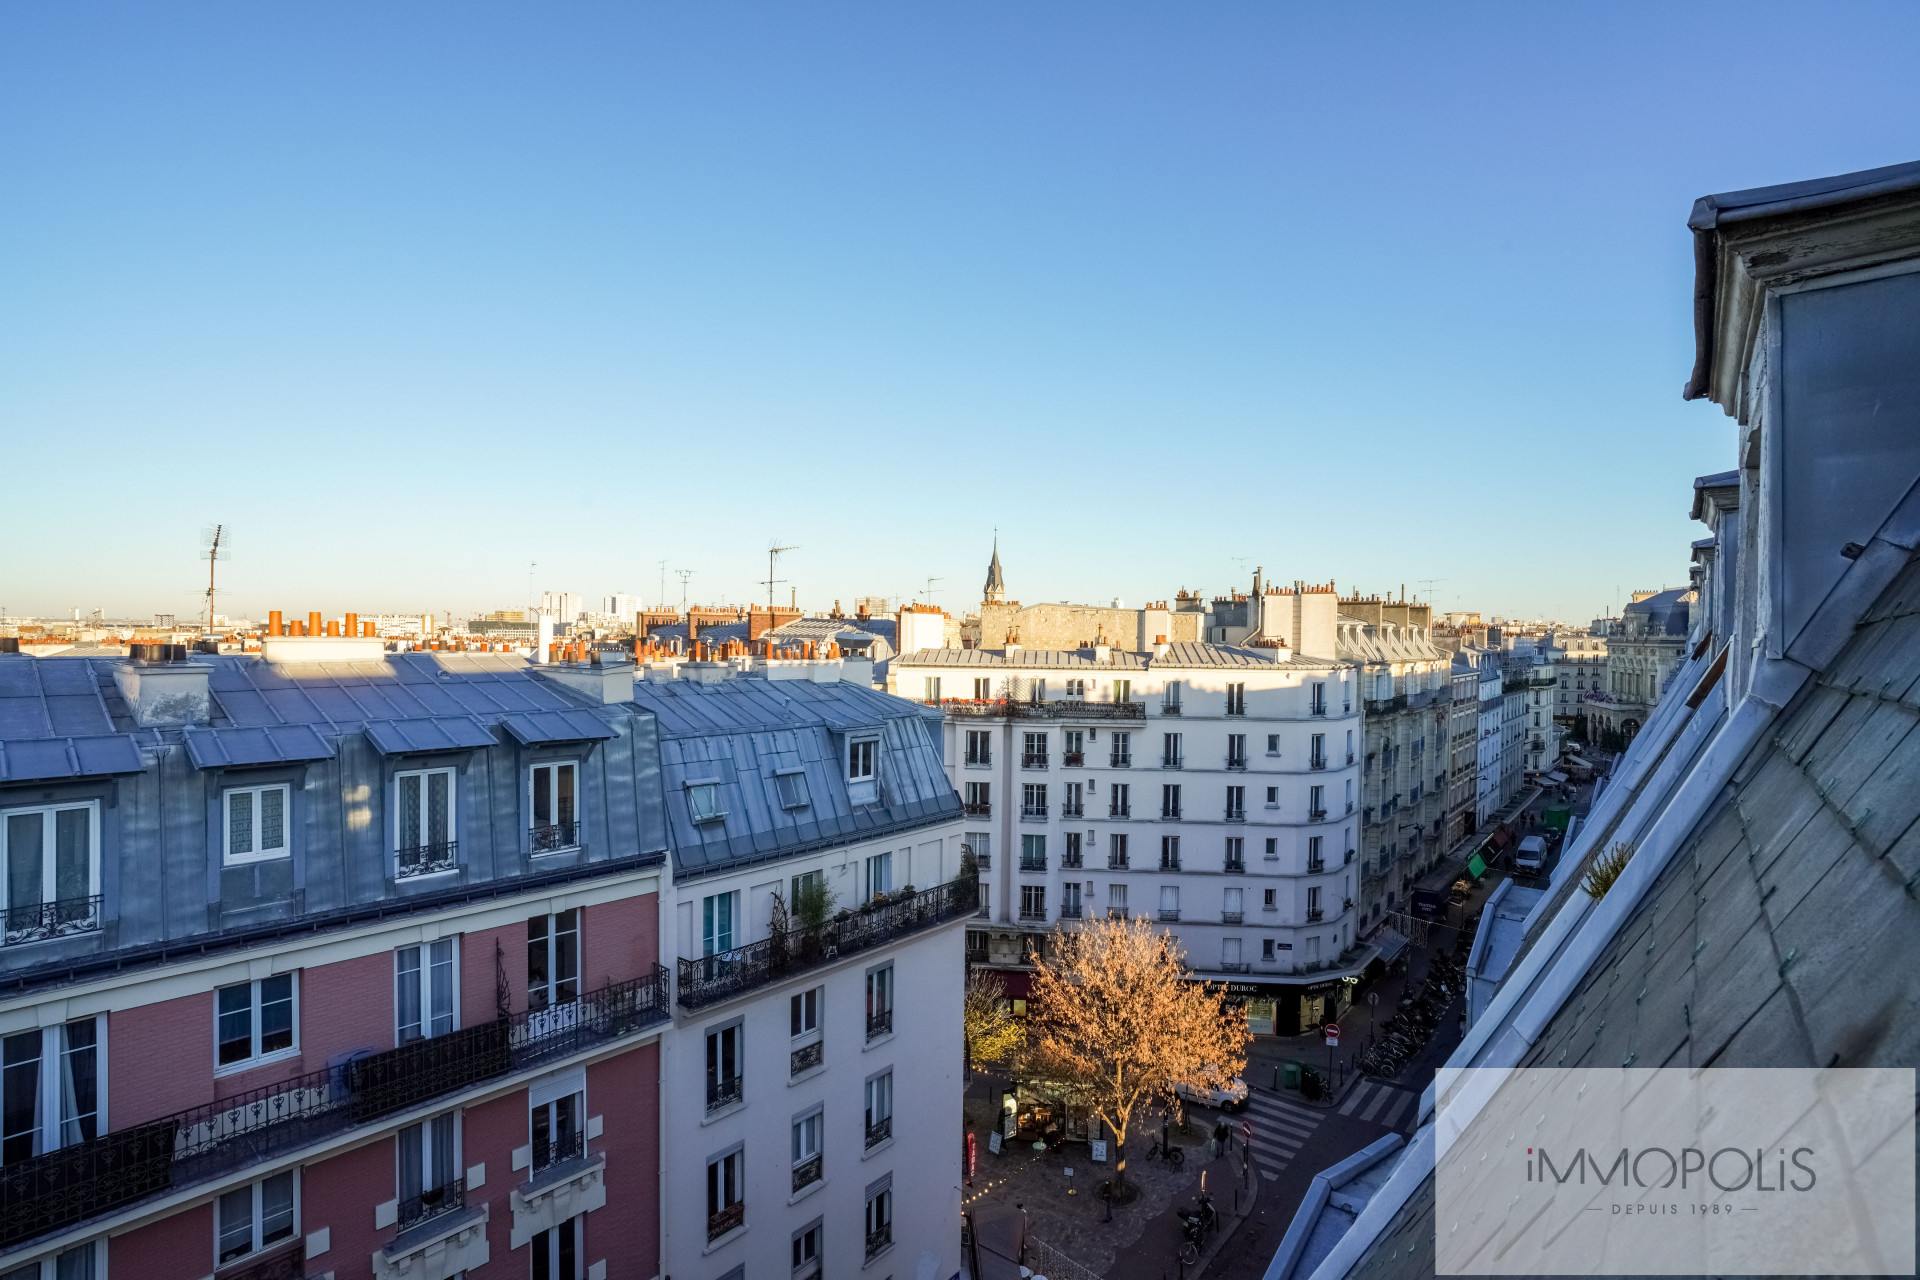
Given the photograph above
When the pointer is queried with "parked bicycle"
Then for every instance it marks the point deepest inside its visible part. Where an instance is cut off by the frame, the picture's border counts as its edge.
(1170, 1154)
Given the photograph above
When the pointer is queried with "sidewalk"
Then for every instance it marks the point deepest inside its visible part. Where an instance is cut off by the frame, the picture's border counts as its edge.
(1155, 1253)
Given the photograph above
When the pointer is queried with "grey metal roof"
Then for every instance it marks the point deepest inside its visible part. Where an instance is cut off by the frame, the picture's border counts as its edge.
(47, 759)
(418, 734)
(1718, 480)
(1041, 659)
(1781, 932)
(264, 744)
(739, 733)
(536, 728)
(1802, 197)
(1192, 653)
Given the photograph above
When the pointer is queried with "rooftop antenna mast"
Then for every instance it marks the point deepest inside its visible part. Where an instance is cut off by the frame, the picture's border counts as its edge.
(1426, 587)
(216, 546)
(774, 552)
(928, 597)
(683, 575)
(662, 597)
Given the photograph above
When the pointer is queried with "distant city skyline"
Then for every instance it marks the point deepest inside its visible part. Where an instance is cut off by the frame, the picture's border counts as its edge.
(413, 297)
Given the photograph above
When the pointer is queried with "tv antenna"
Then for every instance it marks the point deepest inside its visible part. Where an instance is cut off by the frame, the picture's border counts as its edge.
(662, 597)
(683, 575)
(928, 597)
(216, 545)
(774, 552)
(1426, 587)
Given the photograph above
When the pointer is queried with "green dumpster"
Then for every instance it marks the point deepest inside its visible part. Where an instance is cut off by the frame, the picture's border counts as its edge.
(1290, 1075)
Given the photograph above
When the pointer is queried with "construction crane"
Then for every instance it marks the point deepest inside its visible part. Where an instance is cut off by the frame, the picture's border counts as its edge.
(774, 552)
(213, 541)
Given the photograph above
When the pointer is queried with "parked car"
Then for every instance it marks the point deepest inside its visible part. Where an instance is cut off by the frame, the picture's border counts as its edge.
(1232, 1098)
(1531, 856)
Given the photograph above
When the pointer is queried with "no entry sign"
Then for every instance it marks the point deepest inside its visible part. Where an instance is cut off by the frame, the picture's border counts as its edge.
(1333, 1034)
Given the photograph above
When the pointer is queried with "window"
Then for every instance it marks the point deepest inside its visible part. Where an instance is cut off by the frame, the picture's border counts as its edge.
(1070, 900)
(982, 689)
(1273, 744)
(1235, 859)
(1273, 797)
(1313, 853)
(1122, 750)
(1272, 848)
(879, 1218)
(1266, 950)
(1313, 902)
(807, 1161)
(1170, 750)
(806, 1251)
(557, 1252)
(1318, 759)
(862, 755)
(1319, 697)
(933, 689)
(553, 959)
(254, 1020)
(1269, 899)
(1230, 952)
(50, 1082)
(703, 802)
(554, 804)
(424, 835)
(82, 1262)
(1033, 902)
(1169, 902)
(979, 798)
(979, 746)
(1236, 804)
(256, 1217)
(1170, 800)
(1071, 858)
(1119, 800)
(429, 1154)
(1170, 697)
(1169, 853)
(556, 1122)
(791, 786)
(716, 922)
(1077, 689)
(724, 1061)
(1033, 800)
(726, 1193)
(803, 1013)
(880, 1108)
(1033, 853)
(1230, 905)
(1116, 849)
(256, 826)
(425, 991)
(1074, 744)
(1117, 899)
(879, 875)
(981, 842)
(1123, 691)
(1236, 699)
(52, 882)
(1033, 751)
(1317, 801)
(1036, 690)
(1236, 751)
(879, 1001)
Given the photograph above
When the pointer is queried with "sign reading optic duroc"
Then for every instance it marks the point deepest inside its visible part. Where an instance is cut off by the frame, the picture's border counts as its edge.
(1667, 1171)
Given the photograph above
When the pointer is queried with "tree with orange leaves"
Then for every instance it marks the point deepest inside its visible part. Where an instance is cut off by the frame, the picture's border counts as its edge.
(1116, 1019)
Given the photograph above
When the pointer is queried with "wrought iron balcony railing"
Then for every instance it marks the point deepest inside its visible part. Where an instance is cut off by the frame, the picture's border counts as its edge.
(551, 837)
(1033, 864)
(878, 1131)
(1317, 762)
(1169, 812)
(1033, 913)
(1170, 913)
(287, 1264)
(878, 1239)
(707, 980)
(1073, 759)
(35, 921)
(1237, 764)
(1169, 864)
(1235, 815)
(555, 1151)
(1315, 865)
(879, 1023)
(1234, 864)
(980, 759)
(1120, 760)
(1234, 966)
(978, 808)
(71, 1184)
(1068, 810)
(1316, 815)
(1231, 917)
(1070, 911)
(1033, 760)
(808, 1056)
(1169, 708)
(725, 1219)
(448, 1197)
(1315, 914)
(1116, 862)
(1017, 709)
(724, 1092)
(807, 1172)
(1033, 812)
(426, 859)
(1119, 811)
(1071, 861)
(1173, 760)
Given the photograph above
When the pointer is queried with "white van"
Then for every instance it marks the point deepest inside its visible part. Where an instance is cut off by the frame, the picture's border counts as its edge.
(1531, 856)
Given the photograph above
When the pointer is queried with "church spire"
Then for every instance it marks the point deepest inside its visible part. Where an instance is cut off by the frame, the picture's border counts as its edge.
(996, 592)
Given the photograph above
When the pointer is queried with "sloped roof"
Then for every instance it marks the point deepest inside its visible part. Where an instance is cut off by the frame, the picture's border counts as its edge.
(1781, 932)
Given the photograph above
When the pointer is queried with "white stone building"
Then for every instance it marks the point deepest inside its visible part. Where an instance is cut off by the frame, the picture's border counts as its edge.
(808, 1072)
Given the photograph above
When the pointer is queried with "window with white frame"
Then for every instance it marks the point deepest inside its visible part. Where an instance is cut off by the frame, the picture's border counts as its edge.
(717, 912)
(933, 689)
(554, 802)
(558, 1253)
(726, 1192)
(50, 1094)
(426, 825)
(557, 1119)
(704, 803)
(806, 1250)
(1273, 744)
(255, 1217)
(255, 1021)
(808, 1132)
(428, 1160)
(879, 875)
(1117, 899)
(879, 1107)
(863, 759)
(81, 1262)
(982, 689)
(1272, 849)
(725, 1064)
(879, 1000)
(1236, 699)
(791, 786)
(1269, 900)
(553, 958)
(879, 1216)
(51, 857)
(1230, 903)
(803, 1013)
(979, 746)
(256, 824)
(1076, 688)
(425, 990)
(1230, 951)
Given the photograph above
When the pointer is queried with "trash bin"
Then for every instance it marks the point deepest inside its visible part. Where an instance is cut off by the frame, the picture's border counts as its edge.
(1290, 1075)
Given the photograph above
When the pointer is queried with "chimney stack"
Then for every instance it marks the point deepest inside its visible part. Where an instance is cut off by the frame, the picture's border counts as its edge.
(313, 622)
(273, 622)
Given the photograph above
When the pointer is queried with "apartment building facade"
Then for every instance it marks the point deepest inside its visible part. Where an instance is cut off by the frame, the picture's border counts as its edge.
(815, 928)
(1212, 788)
(1642, 656)
(326, 963)
(1463, 747)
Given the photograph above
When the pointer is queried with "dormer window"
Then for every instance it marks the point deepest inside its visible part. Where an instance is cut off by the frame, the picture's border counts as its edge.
(791, 786)
(703, 802)
(863, 770)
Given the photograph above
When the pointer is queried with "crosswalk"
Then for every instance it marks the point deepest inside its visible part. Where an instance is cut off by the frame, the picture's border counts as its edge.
(1380, 1103)
(1280, 1129)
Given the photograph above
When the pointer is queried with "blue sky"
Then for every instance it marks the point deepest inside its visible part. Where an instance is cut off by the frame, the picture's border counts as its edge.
(413, 296)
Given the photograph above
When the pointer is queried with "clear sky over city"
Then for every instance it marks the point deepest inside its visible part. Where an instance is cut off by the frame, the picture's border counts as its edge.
(416, 296)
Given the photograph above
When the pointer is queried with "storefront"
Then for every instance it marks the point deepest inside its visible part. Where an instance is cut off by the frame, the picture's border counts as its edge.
(1045, 1111)
(1277, 1009)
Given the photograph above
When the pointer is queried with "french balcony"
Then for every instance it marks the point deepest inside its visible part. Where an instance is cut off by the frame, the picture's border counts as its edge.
(1070, 911)
(1169, 864)
(1236, 815)
(82, 1180)
(287, 1264)
(1237, 764)
(1034, 760)
(878, 1131)
(724, 1093)
(1316, 815)
(1237, 709)
(1232, 917)
(1171, 914)
(1033, 813)
(449, 1197)
(1072, 759)
(1350, 757)
(1071, 810)
(726, 1218)
(38, 921)
(809, 1056)
(549, 1153)
(1019, 709)
(879, 1240)
(1117, 913)
(1317, 709)
(1234, 966)
(552, 837)
(1316, 865)
(1119, 811)
(1033, 864)
(1033, 915)
(879, 1023)
(1234, 866)
(1070, 861)
(979, 760)
(1169, 708)
(978, 808)
(426, 859)
(808, 1172)
(1316, 914)
(1116, 862)
(1170, 815)
(1317, 762)
(1120, 761)
(707, 980)
(1172, 761)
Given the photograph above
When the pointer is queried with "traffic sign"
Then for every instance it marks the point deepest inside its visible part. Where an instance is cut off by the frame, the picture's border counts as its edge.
(1333, 1034)
(1246, 1131)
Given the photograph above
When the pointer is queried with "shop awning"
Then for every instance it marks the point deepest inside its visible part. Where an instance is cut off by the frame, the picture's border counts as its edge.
(1577, 762)
(1556, 777)
(1391, 943)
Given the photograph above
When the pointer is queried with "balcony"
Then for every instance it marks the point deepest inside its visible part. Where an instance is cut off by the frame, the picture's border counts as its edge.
(1034, 760)
(808, 1172)
(1033, 864)
(1119, 811)
(979, 759)
(1116, 913)
(1033, 915)
(1119, 760)
(1069, 809)
(1317, 709)
(426, 859)
(1072, 759)
(1232, 917)
(557, 1151)
(1234, 815)
(1169, 864)
(878, 1131)
(37, 921)
(1316, 865)
(879, 1240)
(1116, 862)
(1169, 913)
(1170, 815)
(1233, 866)
(977, 808)
(879, 1023)
(1014, 709)
(552, 837)
(1033, 813)
(1070, 911)
(71, 1184)
(1316, 914)
(707, 980)
(431, 1203)
(1316, 815)
(1237, 764)
(1382, 706)
(724, 1092)
(726, 1219)
(1318, 762)
(809, 1056)
(1070, 861)
(1234, 966)
(1172, 761)
(1169, 708)
(287, 1264)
